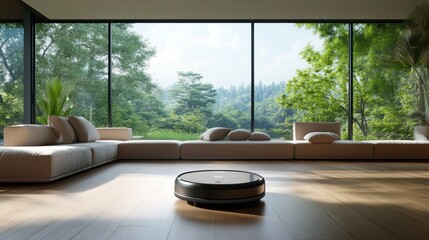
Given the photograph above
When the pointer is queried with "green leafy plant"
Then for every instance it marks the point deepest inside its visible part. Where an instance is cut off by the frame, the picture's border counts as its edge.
(412, 52)
(54, 101)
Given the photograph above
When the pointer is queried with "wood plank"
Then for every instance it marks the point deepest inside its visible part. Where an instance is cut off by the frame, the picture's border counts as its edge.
(304, 199)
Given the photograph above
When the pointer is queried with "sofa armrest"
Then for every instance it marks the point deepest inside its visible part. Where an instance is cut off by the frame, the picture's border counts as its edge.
(115, 133)
(29, 135)
(420, 133)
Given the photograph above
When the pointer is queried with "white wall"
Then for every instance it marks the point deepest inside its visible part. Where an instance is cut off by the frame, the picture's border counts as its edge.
(224, 9)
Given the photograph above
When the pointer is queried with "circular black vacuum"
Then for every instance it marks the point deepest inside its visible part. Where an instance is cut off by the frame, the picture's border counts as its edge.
(219, 187)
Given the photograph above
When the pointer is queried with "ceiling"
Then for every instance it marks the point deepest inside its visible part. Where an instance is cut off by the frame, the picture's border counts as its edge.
(222, 9)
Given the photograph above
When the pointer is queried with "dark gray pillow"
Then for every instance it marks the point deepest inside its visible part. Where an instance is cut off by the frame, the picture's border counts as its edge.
(85, 130)
(239, 135)
(259, 136)
(215, 134)
(321, 137)
(63, 129)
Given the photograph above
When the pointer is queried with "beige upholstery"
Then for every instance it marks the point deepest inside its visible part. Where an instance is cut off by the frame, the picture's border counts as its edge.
(149, 149)
(42, 163)
(343, 149)
(30, 163)
(29, 135)
(202, 150)
(300, 129)
(101, 151)
(400, 149)
(85, 130)
(420, 133)
(63, 129)
(115, 133)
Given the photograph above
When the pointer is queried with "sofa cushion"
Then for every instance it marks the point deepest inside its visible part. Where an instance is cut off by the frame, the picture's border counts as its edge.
(321, 137)
(259, 136)
(300, 129)
(85, 130)
(239, 135)
(42, 163)
(400, 149)
(115, 133)
(215, 134)
(102, 151)
(63, 130)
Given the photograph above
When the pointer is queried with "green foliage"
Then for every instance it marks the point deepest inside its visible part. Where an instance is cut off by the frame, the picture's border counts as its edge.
(11, 74)
(76, 53)
(192, 95)
(191, 122)
(165, 134)
(222, 120)
(412, 52)
(54, 102)
(382, 96)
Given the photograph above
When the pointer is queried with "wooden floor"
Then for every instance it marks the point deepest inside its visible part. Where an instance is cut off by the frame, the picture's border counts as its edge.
(304, 200)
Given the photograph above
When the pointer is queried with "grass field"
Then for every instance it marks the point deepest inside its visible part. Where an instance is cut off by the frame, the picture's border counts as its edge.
(171, 135)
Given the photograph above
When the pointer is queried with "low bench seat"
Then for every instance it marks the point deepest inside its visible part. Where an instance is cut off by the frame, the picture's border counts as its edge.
(342, 149)
(400, 149)
(42, 163)
(149, 149)
(103, 151)
(262, 150)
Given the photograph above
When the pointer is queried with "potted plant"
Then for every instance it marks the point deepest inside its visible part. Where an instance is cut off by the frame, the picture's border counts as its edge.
(54, 102)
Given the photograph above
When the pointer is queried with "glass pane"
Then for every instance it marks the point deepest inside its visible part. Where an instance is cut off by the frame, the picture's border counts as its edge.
(172, 81)
(384, 95)
(75, 55)
(11, 75)
(301, 74)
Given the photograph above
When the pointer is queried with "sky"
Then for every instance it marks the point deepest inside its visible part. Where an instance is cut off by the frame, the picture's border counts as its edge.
(221, 52)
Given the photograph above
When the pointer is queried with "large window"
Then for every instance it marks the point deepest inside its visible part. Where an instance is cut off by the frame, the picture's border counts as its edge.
(175, 80)
(11, 75)
(75, 56)
(384, 95)
(301, 75)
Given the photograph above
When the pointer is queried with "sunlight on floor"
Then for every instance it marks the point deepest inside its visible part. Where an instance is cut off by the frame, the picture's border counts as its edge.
(356, 187)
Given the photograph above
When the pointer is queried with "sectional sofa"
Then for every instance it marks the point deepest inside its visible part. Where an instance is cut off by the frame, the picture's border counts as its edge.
(31, 153)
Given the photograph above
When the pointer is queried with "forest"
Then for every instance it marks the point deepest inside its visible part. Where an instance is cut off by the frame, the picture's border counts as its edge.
(384, 94)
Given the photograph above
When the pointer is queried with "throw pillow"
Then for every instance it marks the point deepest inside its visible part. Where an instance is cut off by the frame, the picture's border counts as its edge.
(239, 135)
(259, 136)
(85, 130)
(321, 137)
(64, 132)
(215, 134)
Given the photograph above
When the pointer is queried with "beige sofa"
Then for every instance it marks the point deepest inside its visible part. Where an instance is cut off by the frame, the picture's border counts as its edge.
(341, 149)
(345, 149)
(30, 152)
(235, 150)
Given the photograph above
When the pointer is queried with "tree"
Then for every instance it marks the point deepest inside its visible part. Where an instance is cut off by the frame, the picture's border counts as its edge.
(319, 92)
(11, 74)
(192, 95)
(78, 54)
